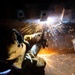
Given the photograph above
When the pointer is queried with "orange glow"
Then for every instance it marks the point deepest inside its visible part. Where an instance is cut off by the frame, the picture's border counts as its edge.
(45, 51)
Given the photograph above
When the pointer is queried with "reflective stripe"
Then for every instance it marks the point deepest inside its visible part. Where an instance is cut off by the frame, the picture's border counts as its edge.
(5, 72)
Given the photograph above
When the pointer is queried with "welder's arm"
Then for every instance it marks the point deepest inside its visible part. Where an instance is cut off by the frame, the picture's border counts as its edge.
(33, 37)
(34, 65)
(32, 53)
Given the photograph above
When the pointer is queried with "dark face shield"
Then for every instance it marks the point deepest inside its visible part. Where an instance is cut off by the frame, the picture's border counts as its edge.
(9, 49)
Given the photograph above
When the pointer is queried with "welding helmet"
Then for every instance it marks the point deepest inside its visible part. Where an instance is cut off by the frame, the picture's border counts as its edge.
(8, 46)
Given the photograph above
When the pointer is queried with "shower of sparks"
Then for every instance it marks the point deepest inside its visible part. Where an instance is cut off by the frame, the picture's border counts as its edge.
(51, 26)
(59, 34)
(54, 33)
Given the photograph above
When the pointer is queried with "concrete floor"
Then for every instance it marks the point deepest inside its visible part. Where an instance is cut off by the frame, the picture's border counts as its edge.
(59, 64)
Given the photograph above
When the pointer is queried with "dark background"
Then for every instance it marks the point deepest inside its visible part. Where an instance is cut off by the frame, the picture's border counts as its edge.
(10, 10)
